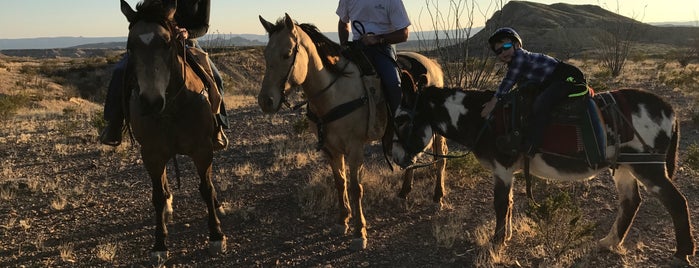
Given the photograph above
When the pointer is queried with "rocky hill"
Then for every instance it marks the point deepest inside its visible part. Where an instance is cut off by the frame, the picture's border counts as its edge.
(565, 27)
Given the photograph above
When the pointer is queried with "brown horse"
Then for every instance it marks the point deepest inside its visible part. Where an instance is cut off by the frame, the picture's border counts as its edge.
(348, 117)
(169, 114)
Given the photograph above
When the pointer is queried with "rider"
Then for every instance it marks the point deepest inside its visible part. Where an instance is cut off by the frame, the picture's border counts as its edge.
(555, 79)
(192, 17)
(385, 22)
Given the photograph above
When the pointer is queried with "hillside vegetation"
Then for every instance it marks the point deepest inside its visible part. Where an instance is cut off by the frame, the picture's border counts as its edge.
(68, 201)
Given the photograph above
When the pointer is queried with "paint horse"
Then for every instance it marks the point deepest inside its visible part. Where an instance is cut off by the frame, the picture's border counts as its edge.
(347, 117)
(168, 113)
(455, 114)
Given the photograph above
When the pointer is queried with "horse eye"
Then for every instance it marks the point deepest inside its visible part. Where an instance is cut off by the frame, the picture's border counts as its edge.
(286, 56)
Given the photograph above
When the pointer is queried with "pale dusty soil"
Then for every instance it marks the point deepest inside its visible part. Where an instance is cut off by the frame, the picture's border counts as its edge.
(62, 192)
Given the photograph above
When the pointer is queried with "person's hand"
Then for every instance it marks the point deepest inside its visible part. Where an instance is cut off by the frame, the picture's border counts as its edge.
(488, 107)
(182, 33)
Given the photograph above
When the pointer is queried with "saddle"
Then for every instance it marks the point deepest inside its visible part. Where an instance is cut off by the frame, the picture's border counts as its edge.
(372, 84)
(577, 128)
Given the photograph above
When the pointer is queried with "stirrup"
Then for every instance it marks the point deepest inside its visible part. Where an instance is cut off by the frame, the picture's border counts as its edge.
(220, 140)
(111, 135)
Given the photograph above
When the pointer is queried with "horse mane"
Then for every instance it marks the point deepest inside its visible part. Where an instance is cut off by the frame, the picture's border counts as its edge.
(329, 51)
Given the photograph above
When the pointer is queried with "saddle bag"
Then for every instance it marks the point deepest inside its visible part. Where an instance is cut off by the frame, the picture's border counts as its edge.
(199, 61)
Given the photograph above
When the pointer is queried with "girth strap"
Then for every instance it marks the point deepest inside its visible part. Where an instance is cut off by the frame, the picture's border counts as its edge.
(334, 114)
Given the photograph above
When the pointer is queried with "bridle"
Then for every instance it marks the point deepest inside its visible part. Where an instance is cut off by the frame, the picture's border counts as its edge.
(284, 98)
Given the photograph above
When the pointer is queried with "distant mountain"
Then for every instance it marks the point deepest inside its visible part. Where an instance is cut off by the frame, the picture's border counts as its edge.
(567, 28)
(120, 42)
(54, 42)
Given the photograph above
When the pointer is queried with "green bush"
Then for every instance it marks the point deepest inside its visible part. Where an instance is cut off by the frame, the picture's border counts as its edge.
(9, 104)
(692, 157)
(559, 224)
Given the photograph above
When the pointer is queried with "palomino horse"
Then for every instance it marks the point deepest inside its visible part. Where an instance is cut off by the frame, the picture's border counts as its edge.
(168, 113)
(299, 55)
(455, 114)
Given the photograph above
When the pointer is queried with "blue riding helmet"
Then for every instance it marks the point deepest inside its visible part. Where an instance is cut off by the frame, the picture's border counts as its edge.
(504, 32)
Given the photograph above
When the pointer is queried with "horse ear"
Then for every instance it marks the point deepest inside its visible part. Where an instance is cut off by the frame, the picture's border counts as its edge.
(288, 21)
(266, 24)
(128, 11)
(170, 7)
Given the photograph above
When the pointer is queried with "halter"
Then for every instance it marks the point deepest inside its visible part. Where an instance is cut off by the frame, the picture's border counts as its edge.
(170, 95)
(288, 76)
(411, 150)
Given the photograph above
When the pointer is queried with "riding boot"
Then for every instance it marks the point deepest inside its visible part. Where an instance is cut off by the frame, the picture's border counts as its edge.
(220, 139)
(111, 135)
(113, 109)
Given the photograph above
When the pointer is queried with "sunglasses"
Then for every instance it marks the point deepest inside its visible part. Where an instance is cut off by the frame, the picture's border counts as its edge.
(504, 47)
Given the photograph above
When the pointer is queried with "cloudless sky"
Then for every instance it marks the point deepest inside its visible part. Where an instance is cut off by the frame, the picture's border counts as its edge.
(103, 18)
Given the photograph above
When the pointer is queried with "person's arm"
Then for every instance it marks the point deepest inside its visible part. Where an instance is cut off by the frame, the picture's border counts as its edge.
(343, 31)
(395, 37)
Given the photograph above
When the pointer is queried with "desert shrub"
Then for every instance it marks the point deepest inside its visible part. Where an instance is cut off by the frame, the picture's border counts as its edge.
(559, 224)
(597, 85)
(301, 125)
(465, 170)
(97, 120)
(692, 157)
(684, 78)
(9, 104)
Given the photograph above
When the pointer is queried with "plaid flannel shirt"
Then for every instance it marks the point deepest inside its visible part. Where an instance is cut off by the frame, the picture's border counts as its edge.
(527, 67)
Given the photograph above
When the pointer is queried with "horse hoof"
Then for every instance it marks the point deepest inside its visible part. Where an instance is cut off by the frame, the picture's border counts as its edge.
(168, 211)
(339, 230)
(158, 258)
(217, 247)
(221, 210)
(680, 261)
(358, 244)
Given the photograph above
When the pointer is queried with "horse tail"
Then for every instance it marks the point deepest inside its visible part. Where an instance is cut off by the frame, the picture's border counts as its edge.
(672, 153)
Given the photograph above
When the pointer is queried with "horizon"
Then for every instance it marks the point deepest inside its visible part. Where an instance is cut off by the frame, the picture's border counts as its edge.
(107, 21)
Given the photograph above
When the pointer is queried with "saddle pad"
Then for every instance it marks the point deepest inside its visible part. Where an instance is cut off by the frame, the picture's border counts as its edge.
(562, 139)
(624, 130)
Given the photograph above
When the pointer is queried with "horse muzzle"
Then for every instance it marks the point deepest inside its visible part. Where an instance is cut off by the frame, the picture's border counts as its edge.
(151, 106)
(268, 104)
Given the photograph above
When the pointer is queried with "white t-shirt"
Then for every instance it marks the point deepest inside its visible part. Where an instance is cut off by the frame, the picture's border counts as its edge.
(377, 16)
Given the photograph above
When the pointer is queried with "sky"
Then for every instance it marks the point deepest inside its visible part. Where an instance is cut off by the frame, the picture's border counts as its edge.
(103, 18)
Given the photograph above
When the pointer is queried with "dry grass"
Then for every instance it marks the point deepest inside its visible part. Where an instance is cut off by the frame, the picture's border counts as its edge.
(460, 228)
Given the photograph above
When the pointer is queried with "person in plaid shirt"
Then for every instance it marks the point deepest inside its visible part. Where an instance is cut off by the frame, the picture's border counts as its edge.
(556, 80)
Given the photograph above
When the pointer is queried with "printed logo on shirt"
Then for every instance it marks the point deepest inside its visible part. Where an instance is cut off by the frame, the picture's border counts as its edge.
(379, 6)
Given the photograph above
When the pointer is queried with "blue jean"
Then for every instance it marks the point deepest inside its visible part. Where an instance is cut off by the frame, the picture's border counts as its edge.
(113, 108)
(384, 59)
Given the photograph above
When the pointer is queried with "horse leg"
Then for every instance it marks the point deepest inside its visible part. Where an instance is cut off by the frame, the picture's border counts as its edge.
(407, 183)
(337, 163)
(439, 147)
(657, 181)
(503, 208)
(162, 202)
(629, 201)
(356, 192)
(217, 240)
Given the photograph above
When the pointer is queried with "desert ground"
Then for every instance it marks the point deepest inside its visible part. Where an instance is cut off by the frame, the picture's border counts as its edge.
(68, 201)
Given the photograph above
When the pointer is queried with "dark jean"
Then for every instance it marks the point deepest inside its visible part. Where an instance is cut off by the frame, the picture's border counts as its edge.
(384, 59)
(114, 109)
(556, 89)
